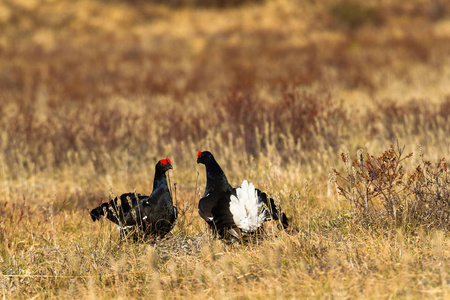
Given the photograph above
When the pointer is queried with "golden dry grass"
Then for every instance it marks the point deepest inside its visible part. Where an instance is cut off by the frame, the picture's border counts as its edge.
(93, 93)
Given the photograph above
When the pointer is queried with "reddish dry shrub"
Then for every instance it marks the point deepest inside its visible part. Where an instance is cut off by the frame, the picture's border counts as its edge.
(379, 192)
(430, 186)
(47, 133)
(89, 63)
(444, 109)
(106, 64)
(415, 115)
(371, 181)
(45, 141)
(304, 117)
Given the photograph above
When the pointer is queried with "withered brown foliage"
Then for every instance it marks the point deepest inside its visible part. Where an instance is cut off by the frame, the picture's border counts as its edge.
(93, 92)
(379, 190)
(430, 187)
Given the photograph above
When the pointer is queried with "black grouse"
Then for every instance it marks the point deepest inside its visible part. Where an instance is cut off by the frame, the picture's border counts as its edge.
(141, 216)
(234, 212)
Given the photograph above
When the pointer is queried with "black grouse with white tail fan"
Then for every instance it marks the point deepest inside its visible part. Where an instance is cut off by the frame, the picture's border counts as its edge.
(140, 216)
(234, 212)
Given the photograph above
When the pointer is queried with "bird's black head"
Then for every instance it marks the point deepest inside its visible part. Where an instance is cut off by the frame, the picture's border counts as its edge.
(163, 165)
(216, 179)
(204, 157)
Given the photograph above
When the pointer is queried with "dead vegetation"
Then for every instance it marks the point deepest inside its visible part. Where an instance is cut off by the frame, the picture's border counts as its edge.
(92, 93)
(380, 192)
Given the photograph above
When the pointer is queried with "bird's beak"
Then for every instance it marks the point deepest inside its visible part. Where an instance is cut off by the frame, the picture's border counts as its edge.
(170, 166)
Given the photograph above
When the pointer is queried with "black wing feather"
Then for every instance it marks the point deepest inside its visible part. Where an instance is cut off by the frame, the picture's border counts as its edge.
(118, 214)
(215, 210)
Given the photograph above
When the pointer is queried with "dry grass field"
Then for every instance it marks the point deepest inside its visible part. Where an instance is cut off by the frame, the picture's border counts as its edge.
(289, 94)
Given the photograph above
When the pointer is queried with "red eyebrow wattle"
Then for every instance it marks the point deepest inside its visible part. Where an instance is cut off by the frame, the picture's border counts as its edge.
(163, 161)
(199, 153)
(169, 160)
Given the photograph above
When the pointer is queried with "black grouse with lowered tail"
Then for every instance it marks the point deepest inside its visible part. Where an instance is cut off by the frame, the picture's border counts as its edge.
(138, 215)
(234, 212)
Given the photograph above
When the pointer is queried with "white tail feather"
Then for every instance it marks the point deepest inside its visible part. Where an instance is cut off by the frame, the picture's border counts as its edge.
(123, 228)
(248, 212)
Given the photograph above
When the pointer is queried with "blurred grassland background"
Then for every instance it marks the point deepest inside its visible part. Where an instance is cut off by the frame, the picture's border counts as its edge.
(94, 92)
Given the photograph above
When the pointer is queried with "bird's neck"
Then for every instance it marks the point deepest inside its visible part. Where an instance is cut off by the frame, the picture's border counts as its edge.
(215, 178)
(160, 181)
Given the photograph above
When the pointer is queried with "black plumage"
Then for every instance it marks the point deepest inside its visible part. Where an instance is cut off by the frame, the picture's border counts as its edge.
(140, 216)
(214, 207)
